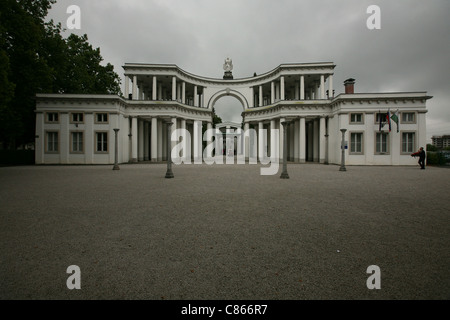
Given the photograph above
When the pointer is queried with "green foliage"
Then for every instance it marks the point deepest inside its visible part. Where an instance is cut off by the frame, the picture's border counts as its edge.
(431, 147)
(435, 158)
(35, 58)
(216, 119)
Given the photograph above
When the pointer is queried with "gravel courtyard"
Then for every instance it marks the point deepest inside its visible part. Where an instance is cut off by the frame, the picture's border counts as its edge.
(224, 232)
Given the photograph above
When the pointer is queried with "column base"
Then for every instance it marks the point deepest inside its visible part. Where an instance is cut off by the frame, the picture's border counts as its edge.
(134, 160)
(284, 175)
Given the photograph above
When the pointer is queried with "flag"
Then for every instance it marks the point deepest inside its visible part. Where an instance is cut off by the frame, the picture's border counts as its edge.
(388, 119)
(394, 117)
(380, 118)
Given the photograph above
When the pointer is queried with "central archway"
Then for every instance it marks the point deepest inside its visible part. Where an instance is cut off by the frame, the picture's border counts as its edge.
(229, 109)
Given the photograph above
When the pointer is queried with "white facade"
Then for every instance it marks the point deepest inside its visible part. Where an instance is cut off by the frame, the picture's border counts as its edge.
(78, 129)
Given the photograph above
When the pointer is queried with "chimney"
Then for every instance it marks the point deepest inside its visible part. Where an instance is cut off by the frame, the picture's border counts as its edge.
(349, 85)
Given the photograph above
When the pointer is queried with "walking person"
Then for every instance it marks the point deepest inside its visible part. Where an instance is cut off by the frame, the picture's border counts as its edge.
(422, 155)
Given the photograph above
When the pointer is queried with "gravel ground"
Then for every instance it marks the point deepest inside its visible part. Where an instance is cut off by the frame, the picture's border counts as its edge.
(224, 232)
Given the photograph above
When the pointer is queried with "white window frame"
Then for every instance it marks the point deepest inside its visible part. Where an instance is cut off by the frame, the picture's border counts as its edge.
(414, 144)
(75, 117)
(381, 152)
(104, 115)
(54, 144)
(404, 115)
(72, 142)
(355, 121)
(104, 141)
(49, 117)
(361, 142)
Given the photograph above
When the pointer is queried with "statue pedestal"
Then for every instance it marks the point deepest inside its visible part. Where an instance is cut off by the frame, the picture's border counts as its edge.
(228, 75)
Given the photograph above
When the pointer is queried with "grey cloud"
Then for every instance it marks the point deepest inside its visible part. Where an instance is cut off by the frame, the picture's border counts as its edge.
(409, 53)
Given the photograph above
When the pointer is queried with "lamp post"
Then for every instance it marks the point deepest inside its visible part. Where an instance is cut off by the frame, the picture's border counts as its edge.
(342, 168)
(284, 174)
(116, 151)
(169, 173)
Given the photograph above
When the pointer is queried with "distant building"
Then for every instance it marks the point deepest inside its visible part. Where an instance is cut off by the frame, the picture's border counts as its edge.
(79, 129)
(441, 142)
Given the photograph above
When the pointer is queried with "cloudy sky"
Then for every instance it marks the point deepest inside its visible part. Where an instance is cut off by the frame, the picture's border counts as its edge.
(410, 52)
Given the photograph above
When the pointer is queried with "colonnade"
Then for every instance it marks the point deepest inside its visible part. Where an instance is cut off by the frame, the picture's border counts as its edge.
(313, 90)
(306, 138)
(148, 138)
(155, 89)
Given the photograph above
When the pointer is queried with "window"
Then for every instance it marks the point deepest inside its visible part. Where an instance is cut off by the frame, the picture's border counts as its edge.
(381, 116)
(52, 141)
(101, 118)
(52, 117)
(101, 141)
(382, 143)
(356, 118)
(77, 117)
(408, 142)
(408, 117)
(356, 142)
(77, 142)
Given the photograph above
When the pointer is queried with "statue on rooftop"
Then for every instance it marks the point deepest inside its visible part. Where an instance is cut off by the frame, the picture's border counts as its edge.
(228, 65)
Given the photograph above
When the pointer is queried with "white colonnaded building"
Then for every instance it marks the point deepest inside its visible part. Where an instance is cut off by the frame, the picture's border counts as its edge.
(79, 128)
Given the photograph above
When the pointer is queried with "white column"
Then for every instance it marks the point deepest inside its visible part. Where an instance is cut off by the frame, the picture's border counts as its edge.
(322, 140)
(209, 131)
(260, 96)
(135, 88)
(302, 87)
(272, 92)
(322, 86)
(316, 91)
(141, 92)
(330, 86)
(246, 140)
(302, 141)
(134, 139)
(282, 93)
(280, 146)
(296, 140)
(174, 88)
(195, 96)
(273, 142)
(141, 140)
(198, 141)
(146, 139)
(160, 140)
(315, 140)
(310, 140)
(183, 93)
(174, 127)
(260, 140)
(127, 86)
(291, 141)
(154, 145)
(154, 89)
(184, 143)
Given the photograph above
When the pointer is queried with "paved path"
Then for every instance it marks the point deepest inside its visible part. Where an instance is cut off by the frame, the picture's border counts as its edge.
(224, 232)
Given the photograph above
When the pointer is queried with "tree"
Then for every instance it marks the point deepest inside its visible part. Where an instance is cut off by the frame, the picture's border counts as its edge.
(216, 119)
(431, 147)
(35, 58)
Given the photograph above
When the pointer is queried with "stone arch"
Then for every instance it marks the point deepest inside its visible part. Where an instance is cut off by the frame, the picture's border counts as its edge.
(228, 92)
